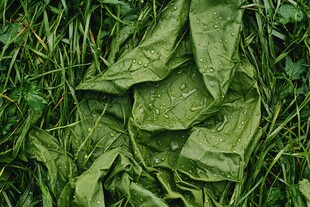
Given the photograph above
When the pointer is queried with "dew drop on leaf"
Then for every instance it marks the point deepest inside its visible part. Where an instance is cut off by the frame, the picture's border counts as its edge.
(156, 160)
(183, 86)
(157, 112)
(174, 146)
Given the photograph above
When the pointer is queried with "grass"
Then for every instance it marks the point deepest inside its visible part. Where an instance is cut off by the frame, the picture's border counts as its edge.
(276, 49)
(58, 43)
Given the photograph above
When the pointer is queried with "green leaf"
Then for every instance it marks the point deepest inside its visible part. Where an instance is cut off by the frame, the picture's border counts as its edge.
(9, 32)
(34, 98)
(290, 14)
(304, 187)
(45, 148)
(149, 61)
(293, 70)
(124, 6)
(274, 197)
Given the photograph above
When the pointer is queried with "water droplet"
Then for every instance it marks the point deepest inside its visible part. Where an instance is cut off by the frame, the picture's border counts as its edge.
(188, 117)
(225, 41)
(152, 51)
(145, 65)
(152, 98)
(157, 112)
(183, 86)
(195, 108)
(233, 34)
(211, 70)
(242, 122)
(89, 129)
(174, 146)
(158, 95)
(214, 13)
(215, 26)
(98, 202)
(156, 160)
(134, 61)
(139, 62)
(112, 134)
(198, 21)
(221, 140)
(200, 60)
(166, 116)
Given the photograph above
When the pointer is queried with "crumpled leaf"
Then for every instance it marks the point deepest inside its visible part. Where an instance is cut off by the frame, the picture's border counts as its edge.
(103, 127)
(217, 150)
(148, 61)
(60, 166)
(185, 131)
(215, 26)
(119, 174)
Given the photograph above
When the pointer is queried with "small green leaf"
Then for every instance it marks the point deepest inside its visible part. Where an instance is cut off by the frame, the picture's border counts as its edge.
(124, 6)
(9, 31)
(34, 98)
(293, 70)
(289, 14)
(274, 197)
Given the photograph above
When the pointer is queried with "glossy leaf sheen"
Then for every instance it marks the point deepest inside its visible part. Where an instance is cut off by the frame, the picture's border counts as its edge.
(172, 122)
